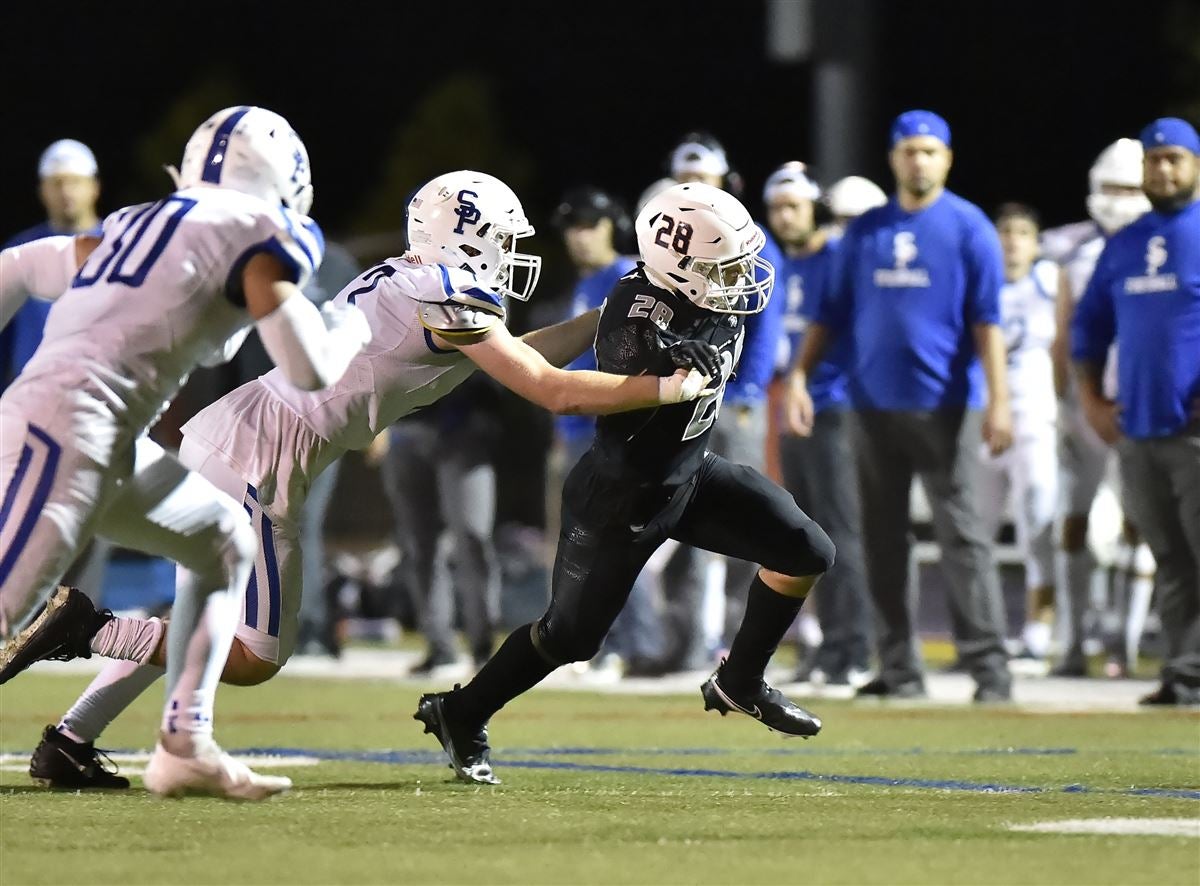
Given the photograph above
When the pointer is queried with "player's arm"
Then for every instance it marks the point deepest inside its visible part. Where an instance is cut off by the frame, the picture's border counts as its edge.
(997, 427)
(1093, 329)
(1060, 348)
(525, 372)
(41, 268)
(563, 342)
(312, 347)
(798, 410)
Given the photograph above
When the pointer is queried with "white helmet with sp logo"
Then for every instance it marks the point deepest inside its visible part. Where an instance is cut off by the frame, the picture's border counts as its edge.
(472, 220)
(251, 150)
(701, 242)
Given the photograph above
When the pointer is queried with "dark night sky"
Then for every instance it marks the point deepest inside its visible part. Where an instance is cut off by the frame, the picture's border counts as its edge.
(1033, 90)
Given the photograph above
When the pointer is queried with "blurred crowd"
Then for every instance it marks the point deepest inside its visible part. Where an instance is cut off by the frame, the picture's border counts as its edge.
(918, 490)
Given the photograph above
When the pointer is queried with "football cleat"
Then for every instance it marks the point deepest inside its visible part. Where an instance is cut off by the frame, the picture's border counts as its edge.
(62, 631)
(59, 762)
(467, 748)
(767, 705)
(210, 771)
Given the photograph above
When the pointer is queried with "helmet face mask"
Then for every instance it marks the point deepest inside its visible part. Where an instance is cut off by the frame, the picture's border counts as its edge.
(251, 150)
(1115, 180)
(701, 242)
(473, 221)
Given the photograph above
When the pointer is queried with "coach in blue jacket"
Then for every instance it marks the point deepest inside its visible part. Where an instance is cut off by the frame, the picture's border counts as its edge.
(917, 295)
(1145, 295)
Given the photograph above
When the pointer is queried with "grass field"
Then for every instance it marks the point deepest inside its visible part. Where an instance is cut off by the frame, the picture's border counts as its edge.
(619, 789)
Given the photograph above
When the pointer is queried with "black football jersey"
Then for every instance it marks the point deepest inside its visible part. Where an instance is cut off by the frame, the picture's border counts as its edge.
(638, 322)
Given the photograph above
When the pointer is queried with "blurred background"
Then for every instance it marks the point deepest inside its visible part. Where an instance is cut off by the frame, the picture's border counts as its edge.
(550, 95)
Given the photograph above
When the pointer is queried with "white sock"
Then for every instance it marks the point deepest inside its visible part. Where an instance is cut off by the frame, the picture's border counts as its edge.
(130, 639)
(112, 691)
(1036, 637)
(206, 638)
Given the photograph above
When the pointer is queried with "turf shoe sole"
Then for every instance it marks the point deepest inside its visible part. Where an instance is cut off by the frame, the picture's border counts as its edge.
(61, 632)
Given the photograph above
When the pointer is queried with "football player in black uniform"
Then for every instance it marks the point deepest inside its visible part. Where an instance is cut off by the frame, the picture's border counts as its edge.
(648, 477)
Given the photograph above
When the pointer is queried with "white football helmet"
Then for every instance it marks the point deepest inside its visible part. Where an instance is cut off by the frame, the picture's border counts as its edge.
(1119, 164)
(251, 150)
(701, 241)
(472, 220)
(853, 195)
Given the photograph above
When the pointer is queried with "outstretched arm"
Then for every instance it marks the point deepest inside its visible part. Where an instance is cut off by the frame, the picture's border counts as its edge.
(563, 342)
(524, 371)
(312, 347)
(41, 268)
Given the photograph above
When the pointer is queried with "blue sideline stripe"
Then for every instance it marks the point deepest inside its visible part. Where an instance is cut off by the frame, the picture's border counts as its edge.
(40, 493)
(407, 758)
(215, 160)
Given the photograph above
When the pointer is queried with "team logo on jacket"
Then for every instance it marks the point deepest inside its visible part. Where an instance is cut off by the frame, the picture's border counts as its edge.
(904, 253)
(1152, 280)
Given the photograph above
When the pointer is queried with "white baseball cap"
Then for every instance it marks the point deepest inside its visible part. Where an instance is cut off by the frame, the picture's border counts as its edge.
(67, 157)
(697, 157)
(791, 180)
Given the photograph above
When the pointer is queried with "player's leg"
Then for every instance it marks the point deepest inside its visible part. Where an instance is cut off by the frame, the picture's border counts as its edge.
(599, 557)
(738, 512)
(51, 492)
(819, 471)
(949, 441)
(168, 510)
(742, 439)
(66, 756)
(1082, 459)
(1035, 500)
(885, 480)
(467, 490)
(1160, 482)
(410, 481)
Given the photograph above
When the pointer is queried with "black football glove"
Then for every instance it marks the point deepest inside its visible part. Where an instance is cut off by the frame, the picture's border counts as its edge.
(699, 355)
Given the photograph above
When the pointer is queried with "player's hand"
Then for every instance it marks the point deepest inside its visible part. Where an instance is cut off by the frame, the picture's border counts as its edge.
(998, 427)
(798, 410)
(684, 385)
(1104, 416)
(692, 354)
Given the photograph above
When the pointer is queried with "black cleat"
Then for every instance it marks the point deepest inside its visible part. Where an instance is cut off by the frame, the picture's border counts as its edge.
(61, 632)
(467, 748)
(59, 762)
(764, 704)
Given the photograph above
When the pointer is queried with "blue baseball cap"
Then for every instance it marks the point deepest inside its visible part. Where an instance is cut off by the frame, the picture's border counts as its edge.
(1170, 132)
(913, 123)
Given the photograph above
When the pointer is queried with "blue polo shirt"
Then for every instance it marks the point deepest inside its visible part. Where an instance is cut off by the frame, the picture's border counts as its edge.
(1145, 294)
(802, 285)
(590, 293)
(908, 289)
(21, 337)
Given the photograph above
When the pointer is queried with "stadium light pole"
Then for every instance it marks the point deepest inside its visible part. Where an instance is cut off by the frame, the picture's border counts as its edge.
(838, 38)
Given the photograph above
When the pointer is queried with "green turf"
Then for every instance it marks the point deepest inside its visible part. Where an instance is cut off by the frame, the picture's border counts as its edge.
(646, 822)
